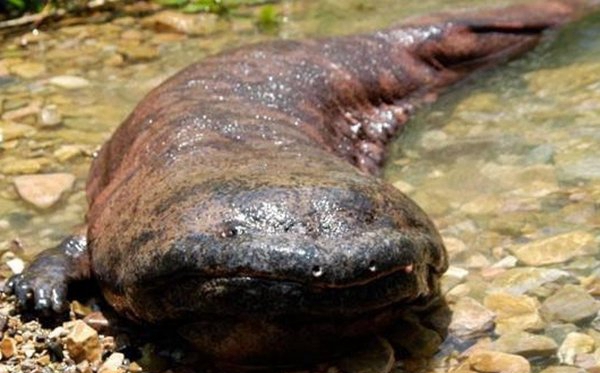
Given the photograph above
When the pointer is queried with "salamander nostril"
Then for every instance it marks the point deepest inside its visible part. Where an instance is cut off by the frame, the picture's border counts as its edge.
(372, 266)
(317, 271)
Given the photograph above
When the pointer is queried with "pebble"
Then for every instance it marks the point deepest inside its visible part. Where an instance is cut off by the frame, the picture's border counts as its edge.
(557, 249)
(498, 362)
(28, 70)
(23, 166)
(541, 154)
(8, 347)
(12, 130)
(69, 81)
(16, 265)
(526, 344)
(31, 109)
(570, 304)
(470, 319)
(83, 343)
(586, 168)
(67, 152)
(43, 191)
(138, 53)
(50, 116)
(376, 357)
(562, 369)
(189, 24)
(523, 280)
(575, 344)
(514, 312)
(113, 363)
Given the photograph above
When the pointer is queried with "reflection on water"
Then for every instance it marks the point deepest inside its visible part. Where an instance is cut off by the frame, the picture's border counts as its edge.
(508, 165)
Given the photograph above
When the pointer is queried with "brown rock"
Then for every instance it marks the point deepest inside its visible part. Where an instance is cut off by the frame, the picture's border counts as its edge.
(556, 249)
(8, 347)
(189, 24)
(45, 190)
(498, 362)
(514, 312)
(575, 344)
(83, 343)
(571, 304)
(526, 344)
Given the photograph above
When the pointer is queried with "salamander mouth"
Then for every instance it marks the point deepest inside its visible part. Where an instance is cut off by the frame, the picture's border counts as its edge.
(191, 295)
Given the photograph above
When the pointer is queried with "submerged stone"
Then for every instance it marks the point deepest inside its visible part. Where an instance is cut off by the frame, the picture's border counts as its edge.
(575, 344)
(514, 312)
(571, 304)
(43, 191)
(557, 249)
(526, 344)
(470, 319)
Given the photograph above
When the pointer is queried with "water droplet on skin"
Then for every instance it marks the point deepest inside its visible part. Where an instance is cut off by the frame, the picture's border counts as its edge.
(408, 268)
(317, 271)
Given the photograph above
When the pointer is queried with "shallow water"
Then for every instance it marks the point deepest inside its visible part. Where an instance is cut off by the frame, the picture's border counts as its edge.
(509, 159)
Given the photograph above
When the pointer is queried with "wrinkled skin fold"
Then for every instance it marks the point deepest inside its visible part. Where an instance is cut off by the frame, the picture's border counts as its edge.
(239, 202)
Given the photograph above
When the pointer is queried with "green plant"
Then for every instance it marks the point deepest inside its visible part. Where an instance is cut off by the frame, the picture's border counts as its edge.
(268, 19)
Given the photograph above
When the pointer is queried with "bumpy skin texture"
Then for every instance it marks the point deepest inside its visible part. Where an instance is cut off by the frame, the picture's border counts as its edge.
(238, 201)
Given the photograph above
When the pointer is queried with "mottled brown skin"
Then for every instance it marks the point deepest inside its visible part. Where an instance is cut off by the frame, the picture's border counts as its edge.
(238, 202)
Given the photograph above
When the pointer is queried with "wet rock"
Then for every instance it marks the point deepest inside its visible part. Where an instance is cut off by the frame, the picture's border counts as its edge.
(12, 131)
(113, 364)
(570, 304)
(434, 139)
(557, 249)
(522, 280)
(22, 166)
(586, 168)
(31, 109)
(132, 35)
(453, 277)
(514, 312)
(376, 357)
(43, 191)
(69, 81)
(28, 70)
(138, 53)
(541, 154)
(115, 59)
(470, 319)
(67, 152)
(50, 116)
(498, 362)
(526, 344)
(83, 343)
(8, 347)
(562, 369)
(558, 332)
(190, 24)
(575, 344)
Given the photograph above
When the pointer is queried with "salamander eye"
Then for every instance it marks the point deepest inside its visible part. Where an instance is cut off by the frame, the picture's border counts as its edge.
(317, 271)
(372, 266)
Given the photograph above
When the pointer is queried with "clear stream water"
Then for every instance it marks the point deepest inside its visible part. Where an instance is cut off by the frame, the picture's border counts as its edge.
(509, 157)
